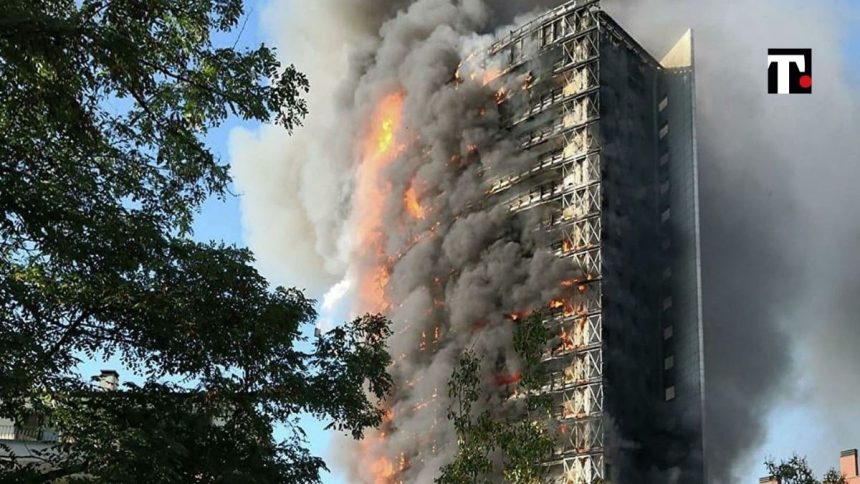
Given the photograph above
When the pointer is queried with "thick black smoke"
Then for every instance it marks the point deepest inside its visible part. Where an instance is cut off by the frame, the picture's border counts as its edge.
(777, 234)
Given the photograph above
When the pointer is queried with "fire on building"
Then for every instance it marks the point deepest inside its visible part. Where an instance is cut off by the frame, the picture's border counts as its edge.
(554, 168)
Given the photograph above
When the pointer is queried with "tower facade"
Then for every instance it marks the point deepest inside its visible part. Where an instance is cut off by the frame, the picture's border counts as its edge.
(608, 133)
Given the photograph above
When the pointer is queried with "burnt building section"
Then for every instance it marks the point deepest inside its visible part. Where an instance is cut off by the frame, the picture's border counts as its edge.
(609, 176)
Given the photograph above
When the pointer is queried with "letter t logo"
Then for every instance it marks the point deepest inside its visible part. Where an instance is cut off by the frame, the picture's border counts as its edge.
(789, 71)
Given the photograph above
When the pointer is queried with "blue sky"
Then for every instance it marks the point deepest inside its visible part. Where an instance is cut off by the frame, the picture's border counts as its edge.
(221, 220)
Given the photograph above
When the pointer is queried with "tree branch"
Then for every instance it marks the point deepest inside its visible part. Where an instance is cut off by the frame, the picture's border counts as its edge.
(70, 332)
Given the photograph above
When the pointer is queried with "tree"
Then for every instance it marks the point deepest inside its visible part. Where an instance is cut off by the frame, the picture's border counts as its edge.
(516, 445)
(526, 442)
(104, 106)
(476, 436)
(796, 471)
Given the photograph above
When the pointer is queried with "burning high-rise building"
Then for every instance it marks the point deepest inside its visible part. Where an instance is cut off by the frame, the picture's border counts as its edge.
(550, 167)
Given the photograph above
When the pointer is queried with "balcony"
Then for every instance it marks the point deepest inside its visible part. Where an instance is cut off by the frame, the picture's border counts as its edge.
(11, 432)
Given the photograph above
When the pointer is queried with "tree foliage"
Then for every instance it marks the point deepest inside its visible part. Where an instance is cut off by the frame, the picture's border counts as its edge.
(514, 445)
(797, 471)
(104, 107)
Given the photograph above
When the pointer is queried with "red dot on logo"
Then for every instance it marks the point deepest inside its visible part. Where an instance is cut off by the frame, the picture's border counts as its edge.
(805, 81)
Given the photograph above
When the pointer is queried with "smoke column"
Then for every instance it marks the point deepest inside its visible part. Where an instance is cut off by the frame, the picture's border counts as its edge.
(451, 272)
(778, 175)
(390, 184)
(296, 190)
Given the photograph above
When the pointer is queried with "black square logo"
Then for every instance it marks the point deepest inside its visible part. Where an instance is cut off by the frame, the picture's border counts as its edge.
(789, 71)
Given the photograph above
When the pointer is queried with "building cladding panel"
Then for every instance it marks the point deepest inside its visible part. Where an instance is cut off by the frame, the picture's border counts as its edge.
(610, 136)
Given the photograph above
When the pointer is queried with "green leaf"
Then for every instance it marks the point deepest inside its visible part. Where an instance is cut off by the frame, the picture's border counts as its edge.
(104, 106)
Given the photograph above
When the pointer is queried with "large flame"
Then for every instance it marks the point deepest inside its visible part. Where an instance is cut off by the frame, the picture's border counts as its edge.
(379, 149)
(380, 146)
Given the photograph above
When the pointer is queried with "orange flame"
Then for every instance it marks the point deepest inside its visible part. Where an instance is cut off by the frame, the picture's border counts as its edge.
(413, 206)
(501, 95)
(566, 306)
(567, 246)
(566, 340)
(386, 122)
(528, 82)
(507, 379)
(379, 150)
(518, 315)
(491, 75)
(383, 469)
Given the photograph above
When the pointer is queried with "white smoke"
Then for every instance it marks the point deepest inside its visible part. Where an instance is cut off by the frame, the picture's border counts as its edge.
(292, 188)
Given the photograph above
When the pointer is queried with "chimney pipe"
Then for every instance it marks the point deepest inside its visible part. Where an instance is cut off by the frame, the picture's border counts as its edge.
(108, 380)
(848, 463)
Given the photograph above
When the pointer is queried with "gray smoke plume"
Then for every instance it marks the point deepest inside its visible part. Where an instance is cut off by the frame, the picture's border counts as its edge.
(452, 275)
(778, 177)
(778, 181)
(455, 272)
(295, 189)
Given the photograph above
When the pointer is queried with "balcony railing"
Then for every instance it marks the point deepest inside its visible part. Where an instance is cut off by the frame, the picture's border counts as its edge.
(28, 434)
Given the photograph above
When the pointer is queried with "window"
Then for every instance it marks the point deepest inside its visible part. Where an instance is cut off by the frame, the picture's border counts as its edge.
(516, 51)
(664, 130)
(670, 393)
(668, 332)
(666, 244)
(668, 362)
(667, 273)
(663, 103)
(667, 303)
(547, 34)
(664, 158)
(664, 217)
(545, 100)
(664, 188)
